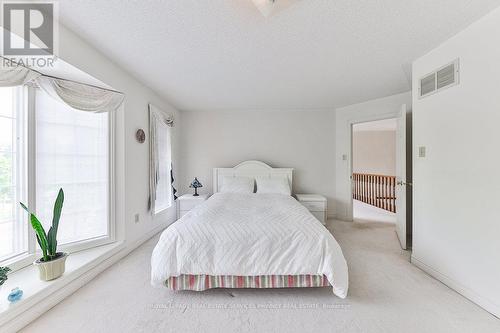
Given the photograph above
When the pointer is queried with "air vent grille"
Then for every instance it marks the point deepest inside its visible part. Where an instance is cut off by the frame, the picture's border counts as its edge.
(445, 77)
(428, 84)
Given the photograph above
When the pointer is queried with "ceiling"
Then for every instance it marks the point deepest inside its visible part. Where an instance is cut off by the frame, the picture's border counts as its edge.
(379, 125)
(315, 54)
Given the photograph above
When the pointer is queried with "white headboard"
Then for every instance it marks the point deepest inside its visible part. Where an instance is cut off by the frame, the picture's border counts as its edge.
(249, 169)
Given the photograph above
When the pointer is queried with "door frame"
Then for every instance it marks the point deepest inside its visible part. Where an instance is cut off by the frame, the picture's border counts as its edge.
(375, 117)
(402, 186)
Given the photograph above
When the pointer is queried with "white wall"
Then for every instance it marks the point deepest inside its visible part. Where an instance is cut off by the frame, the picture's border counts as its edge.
(303, 140)
(456, 186)
(132, 157)
(374, 152)
(383, 108)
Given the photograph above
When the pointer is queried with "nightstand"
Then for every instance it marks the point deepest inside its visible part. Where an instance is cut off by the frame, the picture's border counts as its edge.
(187, 202)
(315, 203)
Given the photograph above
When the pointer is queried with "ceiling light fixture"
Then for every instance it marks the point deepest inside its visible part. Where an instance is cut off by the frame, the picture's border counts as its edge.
(265, 6)
(269, 7)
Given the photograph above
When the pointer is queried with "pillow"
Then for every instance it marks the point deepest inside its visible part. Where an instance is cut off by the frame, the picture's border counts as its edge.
(278, 185)
(237, 185)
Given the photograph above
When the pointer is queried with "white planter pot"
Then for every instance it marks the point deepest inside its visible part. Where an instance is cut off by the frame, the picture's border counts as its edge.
(53, 269)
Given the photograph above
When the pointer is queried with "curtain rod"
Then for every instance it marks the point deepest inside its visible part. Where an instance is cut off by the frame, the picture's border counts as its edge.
(63, 79)
(86, 84)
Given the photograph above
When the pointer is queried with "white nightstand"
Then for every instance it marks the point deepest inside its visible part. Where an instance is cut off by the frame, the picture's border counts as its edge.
(187, 202)
(315, 203)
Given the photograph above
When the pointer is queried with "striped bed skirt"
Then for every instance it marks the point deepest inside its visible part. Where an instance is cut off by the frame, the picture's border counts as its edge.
(204, 282)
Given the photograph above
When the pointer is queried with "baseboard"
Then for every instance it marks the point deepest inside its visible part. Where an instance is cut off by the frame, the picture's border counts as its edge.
(483, 302)
(35, 310)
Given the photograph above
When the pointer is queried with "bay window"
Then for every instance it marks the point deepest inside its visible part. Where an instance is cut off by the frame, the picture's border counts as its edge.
(46, 145)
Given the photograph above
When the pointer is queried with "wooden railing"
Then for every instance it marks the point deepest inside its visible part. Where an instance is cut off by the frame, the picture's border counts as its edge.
(375, 190)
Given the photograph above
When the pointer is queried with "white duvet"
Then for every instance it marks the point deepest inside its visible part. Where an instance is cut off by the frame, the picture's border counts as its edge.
(249, 235)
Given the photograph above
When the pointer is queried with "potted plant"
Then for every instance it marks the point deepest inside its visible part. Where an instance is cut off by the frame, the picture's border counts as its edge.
(52, 264)
(3, 275)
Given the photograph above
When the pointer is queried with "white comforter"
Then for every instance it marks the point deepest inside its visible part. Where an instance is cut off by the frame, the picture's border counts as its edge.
(248, 235)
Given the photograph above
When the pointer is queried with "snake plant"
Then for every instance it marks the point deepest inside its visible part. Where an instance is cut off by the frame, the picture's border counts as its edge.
(48, 241)
(3, 274)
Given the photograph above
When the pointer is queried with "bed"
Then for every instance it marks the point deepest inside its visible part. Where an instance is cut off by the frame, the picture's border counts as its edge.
(248, 240)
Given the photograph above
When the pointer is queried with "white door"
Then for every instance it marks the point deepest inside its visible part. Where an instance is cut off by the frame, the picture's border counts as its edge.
(401, 177)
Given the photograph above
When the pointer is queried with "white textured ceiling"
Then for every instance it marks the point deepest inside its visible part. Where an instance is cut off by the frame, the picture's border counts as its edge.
(224, 55)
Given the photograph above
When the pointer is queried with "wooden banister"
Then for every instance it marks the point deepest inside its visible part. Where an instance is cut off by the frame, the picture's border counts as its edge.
(375, 190)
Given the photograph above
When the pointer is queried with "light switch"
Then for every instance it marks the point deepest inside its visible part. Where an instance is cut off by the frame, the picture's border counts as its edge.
(421, 151)
(344, 157)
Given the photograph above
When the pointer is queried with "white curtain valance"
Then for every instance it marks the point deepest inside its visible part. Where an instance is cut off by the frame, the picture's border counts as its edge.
(81, 96)
(16, 75)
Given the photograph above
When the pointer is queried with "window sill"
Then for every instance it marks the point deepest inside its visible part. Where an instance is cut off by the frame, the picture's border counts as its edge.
(162, 210)
(36, 290)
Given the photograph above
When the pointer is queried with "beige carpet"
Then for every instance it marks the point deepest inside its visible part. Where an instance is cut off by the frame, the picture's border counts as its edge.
(387, 294)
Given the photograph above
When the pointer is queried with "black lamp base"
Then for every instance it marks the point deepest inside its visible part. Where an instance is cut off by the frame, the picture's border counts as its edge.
(196, 192)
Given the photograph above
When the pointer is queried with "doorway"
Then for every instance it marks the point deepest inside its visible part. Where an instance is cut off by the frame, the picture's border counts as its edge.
(380, 173)
(374, 171)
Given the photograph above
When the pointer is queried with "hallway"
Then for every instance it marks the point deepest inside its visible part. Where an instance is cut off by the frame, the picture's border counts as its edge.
(364, 213)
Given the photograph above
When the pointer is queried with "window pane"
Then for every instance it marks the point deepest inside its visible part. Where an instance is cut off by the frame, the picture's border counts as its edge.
(72, 153)
(13, 222)
(7, 130)
(164, 190)
(6, 99)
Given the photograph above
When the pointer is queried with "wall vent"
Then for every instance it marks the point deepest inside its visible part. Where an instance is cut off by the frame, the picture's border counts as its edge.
(445, 77)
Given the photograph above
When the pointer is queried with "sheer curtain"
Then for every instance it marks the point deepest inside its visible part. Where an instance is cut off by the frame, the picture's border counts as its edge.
(80, 96)
(12, 75)
(163, 189)
(77, 95)
(160, 145)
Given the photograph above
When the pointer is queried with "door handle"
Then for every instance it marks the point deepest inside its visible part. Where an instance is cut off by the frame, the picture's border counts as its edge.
(401, 183)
